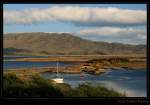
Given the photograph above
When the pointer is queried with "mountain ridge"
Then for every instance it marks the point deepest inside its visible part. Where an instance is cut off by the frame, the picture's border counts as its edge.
(66, 43)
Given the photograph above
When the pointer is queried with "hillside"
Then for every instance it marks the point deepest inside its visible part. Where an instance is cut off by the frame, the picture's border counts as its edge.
(64, 43)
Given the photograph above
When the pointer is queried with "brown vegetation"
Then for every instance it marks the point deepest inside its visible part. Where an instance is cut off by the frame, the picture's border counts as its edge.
(94, 66)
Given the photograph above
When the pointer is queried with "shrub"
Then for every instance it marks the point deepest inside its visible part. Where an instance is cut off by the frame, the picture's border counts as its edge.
(87, 90)
(36, 86)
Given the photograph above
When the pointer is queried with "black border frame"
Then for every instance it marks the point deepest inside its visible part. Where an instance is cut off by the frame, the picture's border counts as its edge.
(77, 99)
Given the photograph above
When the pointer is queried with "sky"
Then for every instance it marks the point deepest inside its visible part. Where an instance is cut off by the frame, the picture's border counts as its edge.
(121, 23)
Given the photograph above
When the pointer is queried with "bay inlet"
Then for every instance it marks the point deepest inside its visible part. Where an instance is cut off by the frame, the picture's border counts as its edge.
(126, 81)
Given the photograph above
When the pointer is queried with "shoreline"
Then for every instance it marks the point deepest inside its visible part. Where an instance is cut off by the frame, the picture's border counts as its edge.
(93, 65)
(29, 71)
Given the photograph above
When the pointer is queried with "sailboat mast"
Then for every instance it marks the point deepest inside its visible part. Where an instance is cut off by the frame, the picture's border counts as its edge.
(57, 68)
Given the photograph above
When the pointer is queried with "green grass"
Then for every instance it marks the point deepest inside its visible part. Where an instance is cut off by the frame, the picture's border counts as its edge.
(36, 86)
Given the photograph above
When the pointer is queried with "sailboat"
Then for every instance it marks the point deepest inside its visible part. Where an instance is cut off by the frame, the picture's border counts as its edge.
(58, 79)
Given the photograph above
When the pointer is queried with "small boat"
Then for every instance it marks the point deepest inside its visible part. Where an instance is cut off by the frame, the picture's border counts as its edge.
(58, 79)
(82, 77)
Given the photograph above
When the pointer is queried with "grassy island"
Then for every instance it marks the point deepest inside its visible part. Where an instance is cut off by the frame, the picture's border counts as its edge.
(93, 64)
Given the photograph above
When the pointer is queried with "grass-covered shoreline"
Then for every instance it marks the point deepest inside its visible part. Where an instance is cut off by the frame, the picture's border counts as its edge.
(37, 86)
(96, 64)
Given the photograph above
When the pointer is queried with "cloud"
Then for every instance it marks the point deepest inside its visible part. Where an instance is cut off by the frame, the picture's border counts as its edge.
(115, 34)
(81, 16)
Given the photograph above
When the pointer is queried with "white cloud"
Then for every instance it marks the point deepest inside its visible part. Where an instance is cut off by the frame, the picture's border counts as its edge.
(77, 15)
(115, 34)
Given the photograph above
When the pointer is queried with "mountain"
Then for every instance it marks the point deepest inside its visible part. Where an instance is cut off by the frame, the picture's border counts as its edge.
(64, 43)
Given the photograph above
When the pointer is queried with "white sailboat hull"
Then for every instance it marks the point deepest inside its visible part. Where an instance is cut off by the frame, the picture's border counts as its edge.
(58, 80)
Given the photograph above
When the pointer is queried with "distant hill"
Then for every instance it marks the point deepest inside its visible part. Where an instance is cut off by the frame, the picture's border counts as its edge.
(64, 43)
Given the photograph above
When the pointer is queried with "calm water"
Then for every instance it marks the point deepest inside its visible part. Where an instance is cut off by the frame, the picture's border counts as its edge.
(25, 64)
(132, 82)
(17, 57)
